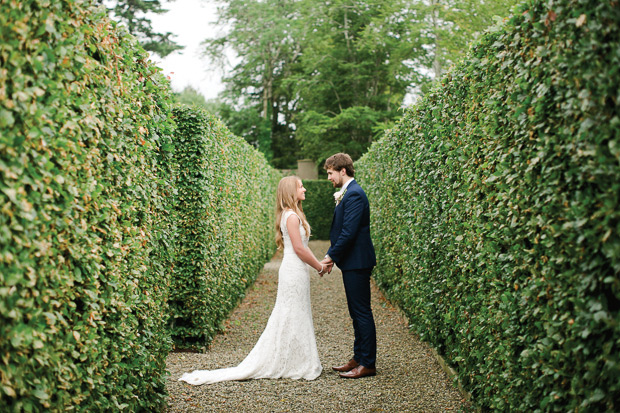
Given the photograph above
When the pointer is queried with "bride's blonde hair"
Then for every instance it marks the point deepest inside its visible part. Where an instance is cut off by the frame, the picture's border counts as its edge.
(287, 199)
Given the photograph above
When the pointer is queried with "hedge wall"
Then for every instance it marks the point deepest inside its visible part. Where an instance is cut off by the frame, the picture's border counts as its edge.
(84, 126)
(225, 224)
(496, 215)
(319, 207)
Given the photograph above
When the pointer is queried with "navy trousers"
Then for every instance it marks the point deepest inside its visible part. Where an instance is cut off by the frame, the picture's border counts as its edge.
(357, 289)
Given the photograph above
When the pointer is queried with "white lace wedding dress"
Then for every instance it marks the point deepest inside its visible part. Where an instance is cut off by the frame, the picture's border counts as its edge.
(287, 347)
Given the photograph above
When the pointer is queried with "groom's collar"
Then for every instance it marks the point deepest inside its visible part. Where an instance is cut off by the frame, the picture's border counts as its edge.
(348, 183)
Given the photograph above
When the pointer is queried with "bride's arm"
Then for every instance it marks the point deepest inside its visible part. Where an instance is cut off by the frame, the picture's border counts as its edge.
(304, 253)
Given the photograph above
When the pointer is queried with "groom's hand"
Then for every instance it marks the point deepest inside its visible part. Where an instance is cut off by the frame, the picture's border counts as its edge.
(329, 264)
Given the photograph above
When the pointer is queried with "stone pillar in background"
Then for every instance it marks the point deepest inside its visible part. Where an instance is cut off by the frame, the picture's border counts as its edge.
(306, 169)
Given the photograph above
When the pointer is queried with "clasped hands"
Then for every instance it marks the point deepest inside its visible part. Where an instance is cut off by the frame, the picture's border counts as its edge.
(327, 266)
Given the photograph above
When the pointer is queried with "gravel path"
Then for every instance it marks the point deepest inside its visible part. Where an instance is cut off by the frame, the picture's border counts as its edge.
(408, 378)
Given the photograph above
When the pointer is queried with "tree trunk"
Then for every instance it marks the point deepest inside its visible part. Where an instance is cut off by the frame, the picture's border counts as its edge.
(436, 59)
(267, 92)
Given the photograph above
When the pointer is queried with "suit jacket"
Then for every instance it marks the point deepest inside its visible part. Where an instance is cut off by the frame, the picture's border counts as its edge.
(351, 247)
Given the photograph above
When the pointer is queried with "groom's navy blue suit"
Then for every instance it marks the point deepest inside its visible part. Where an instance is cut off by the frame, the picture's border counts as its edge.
(352, 251)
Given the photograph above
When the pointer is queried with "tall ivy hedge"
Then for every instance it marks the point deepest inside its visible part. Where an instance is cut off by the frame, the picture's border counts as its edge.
(225, 216)
(496, 215)
(319, 206)
(84, 133)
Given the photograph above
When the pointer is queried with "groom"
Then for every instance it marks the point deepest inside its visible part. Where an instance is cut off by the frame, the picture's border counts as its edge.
(351, 249)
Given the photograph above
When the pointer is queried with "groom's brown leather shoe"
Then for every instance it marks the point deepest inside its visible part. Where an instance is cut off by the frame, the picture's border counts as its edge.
(347, 367)
(358, 372)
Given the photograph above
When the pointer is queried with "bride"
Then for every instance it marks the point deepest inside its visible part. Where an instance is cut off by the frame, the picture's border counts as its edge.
(287, 346)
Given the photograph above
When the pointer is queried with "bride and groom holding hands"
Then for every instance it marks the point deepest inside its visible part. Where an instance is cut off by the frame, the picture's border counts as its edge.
(287, 347)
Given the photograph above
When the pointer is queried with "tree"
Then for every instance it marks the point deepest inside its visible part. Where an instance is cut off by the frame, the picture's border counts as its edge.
(452, 24)
(332, 76)
(293, 63)
(263, 34)
(134, 15)
(356, 71)
(191, 97)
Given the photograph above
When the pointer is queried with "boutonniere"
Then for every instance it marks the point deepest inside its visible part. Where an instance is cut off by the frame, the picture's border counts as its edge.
(339, 195)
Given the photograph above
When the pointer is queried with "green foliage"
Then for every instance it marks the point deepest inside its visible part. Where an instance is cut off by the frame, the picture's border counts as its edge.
(350, 131)
(85, 133)
(261, 33)
(496, 212)
(225, 217)
(316, 77)
(319, 206)
(248, 123)
(133, 15)
(190, 96)
(447, 27)
(354, 74)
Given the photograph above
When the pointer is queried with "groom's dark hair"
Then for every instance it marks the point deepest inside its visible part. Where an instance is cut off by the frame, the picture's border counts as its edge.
(339, 161)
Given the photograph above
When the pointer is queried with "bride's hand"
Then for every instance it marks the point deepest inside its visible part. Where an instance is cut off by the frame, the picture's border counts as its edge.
(328, 265)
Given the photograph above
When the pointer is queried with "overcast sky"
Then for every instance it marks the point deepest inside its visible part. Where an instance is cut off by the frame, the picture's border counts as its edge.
(192, 21)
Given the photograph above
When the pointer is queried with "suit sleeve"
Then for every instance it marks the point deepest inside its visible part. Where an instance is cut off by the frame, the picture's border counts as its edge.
(353, 211)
